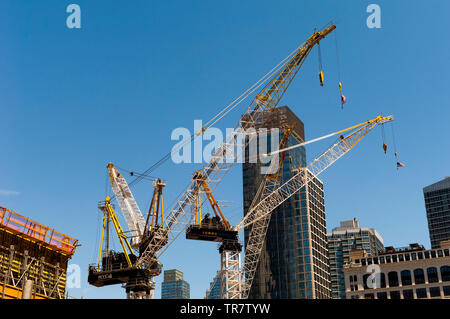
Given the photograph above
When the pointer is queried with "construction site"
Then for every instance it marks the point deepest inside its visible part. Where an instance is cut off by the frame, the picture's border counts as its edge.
(149, 235)
(34, 258)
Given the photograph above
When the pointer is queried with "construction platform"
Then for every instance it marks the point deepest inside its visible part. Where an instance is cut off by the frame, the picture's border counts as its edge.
(33, 257)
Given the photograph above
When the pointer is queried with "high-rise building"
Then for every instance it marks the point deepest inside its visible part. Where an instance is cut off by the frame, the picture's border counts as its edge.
(173, 286)
(285, 269)
(214, 288)
(437, 204)
(341, 241)
(313, 273)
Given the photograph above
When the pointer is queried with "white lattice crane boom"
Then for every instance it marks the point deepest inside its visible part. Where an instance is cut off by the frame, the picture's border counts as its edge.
(258, 216)
(130, 210)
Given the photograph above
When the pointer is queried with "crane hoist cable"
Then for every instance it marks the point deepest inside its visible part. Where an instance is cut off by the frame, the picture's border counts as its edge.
(397, 160)
(342, 96)
(383, 137)
(320, 65)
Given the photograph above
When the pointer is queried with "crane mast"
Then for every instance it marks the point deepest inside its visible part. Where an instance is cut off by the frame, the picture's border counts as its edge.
(267, 100)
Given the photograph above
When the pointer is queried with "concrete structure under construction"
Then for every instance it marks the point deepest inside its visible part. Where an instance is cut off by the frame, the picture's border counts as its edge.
(406, 273)
(33, 258)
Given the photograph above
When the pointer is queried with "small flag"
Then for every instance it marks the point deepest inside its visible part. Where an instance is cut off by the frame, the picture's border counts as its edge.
(400, 164)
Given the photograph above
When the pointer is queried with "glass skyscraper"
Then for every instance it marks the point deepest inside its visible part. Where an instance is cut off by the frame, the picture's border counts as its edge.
(437, 204)
(214, 288)
(173, 286)
(349, 236)
(313, 273)
(280, 273)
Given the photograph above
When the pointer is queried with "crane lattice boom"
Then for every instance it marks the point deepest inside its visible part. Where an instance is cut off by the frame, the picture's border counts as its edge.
(259, 216)
(130, 210)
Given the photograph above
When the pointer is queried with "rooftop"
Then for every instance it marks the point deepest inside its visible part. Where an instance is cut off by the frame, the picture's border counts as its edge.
(443, 184)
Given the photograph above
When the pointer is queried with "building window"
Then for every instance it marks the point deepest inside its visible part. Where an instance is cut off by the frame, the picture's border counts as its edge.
(446, 290)
(408, 294)
(369, 296)
(365, 277)
(382, 295)
(393, 279)
(419, 276)
(432, 275)
(445, 273)
(406, 277)
(421, 293)
(395, 294)
(382, 280)
(435, 292)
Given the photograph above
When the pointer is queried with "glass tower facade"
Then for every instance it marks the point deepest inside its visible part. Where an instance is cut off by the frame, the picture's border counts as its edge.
(437, 204)
(313, 274)
(349, 236)
(277, 275)
(214, 288)
(173, 286)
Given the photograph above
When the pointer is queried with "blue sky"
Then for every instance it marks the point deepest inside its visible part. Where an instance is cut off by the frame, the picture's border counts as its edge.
(72, 100)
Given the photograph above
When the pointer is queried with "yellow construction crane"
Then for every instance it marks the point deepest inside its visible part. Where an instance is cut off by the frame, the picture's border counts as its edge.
(109, 215)
(152, 244)
(179, 217)
(122, 268)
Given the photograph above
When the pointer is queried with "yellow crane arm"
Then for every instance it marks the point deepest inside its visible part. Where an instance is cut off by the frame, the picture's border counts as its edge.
(110, 215)
(272, 93)
(178, 217)
(203, 185)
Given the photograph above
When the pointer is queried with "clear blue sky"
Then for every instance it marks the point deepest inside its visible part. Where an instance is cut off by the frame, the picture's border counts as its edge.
(73, 100)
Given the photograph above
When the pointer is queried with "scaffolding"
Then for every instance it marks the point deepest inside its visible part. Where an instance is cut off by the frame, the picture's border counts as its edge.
(33, 258)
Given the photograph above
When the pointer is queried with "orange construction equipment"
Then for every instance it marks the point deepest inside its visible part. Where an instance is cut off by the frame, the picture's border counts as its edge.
(33, 258)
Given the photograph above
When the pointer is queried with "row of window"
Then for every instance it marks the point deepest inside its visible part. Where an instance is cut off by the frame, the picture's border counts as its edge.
(427, 254)
(379, 280)
(409, 293)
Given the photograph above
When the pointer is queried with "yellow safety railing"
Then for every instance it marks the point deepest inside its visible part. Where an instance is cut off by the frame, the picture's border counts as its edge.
(37, 231)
